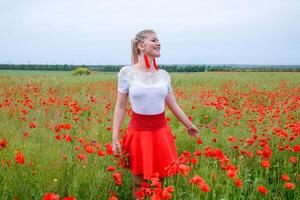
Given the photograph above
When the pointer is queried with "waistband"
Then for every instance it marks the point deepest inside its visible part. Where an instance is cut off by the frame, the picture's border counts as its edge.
(147, 122)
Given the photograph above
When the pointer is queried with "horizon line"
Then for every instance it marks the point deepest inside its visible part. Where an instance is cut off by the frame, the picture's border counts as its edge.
(226, 64)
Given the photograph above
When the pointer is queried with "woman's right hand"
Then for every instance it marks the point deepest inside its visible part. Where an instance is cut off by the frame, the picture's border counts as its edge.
(193, 131)
(116, 146)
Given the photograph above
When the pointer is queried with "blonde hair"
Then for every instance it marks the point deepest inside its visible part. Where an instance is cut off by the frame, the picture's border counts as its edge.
(139, 37)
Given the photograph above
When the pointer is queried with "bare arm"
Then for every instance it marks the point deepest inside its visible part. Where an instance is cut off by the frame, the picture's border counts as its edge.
(177, 111)
(119, 114)
(180, 115)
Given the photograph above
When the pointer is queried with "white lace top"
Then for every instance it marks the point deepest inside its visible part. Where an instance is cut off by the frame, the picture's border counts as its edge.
(147, 89)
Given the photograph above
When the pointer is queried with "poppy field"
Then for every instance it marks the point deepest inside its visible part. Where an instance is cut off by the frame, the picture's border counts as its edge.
(56, 135)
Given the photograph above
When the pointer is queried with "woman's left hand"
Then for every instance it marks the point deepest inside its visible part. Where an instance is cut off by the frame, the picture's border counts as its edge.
(193, 131)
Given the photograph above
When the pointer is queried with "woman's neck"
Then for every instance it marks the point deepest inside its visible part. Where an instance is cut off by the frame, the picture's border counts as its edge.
(142, 64)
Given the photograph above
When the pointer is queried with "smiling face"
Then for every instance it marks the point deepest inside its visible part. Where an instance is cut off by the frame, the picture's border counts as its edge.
(150, 45)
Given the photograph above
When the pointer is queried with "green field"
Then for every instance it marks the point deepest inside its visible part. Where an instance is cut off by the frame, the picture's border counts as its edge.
(251, 118)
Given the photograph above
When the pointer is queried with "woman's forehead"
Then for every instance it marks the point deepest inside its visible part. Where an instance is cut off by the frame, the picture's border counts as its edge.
(151, 35)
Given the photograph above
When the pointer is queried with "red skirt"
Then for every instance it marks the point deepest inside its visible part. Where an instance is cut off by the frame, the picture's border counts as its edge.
(150, 145)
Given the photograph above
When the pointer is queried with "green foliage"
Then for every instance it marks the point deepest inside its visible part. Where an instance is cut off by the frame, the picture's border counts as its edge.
(169, 67)
(81, 71)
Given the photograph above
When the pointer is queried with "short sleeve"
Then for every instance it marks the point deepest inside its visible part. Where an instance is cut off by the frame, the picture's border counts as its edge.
(167, 79)
(169, 85)
(123, 85)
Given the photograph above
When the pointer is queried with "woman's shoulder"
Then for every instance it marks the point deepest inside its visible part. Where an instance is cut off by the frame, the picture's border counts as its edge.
(124, 70)
(165, 74)
(163, 71)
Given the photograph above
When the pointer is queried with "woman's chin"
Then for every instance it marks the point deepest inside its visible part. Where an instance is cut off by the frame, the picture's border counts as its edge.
(157, 55)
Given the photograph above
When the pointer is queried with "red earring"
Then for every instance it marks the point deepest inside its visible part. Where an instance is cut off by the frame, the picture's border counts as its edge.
(155, 65)
(147, 61)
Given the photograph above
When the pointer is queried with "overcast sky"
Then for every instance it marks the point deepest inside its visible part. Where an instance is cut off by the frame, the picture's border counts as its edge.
(190, 31)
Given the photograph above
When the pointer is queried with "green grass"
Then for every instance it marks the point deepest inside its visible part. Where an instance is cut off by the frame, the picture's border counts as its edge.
(51, 98)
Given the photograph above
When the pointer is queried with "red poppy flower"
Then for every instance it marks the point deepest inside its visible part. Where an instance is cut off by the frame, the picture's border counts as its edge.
(24, 111)
(290, 186)
(26, 134)
(262, 190)
(285, 177)
(265, 163)
(198, 153)
(81, 156)
(62, 126)
(108, 148)
(77, 148)
(57, 137)
(238, 183)
(204, 187)
(231, 173)
(194, 160)
(117, 178)
(250, 141)
(67, 137)
(250, 154)
(90, 149)
(167, 192)
(82, 141)
(20, 158)
(214, 130)
(155, 182)
(69, 198)
(226, 124)
(184, 169)
(196, 180)
(296, 148)
(145, 184)
(139, 194)
(243, 151)
(32, 125)
(259, 152)
(75, 119)
(51, 196)
(267, 151)
(199, 141)
(101, 153)
(231, 139)
(110, 168)
(155, 196)
(67, 126)
(183, 159)
(293, 159)
(3, 143)
(113, 198)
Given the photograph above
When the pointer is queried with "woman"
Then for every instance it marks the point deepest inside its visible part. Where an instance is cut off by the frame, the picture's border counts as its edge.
(148, 139)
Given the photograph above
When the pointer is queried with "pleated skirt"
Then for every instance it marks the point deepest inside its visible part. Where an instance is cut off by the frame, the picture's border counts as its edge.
(150, 145)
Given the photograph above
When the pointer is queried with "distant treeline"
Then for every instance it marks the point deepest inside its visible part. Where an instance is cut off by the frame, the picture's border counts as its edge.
(169, 68)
